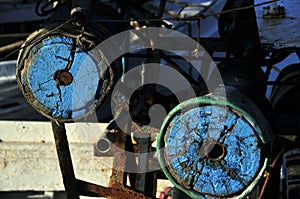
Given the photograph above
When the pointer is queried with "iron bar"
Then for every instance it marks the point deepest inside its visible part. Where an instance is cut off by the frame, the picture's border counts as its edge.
(11, 46)
(65, 160)
(143, 56)
(119, 191)
(118, 176)
(142, 162)
(13, 35)
(161, 9)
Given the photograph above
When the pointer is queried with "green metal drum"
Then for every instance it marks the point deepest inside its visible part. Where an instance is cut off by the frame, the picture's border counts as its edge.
(211, 147)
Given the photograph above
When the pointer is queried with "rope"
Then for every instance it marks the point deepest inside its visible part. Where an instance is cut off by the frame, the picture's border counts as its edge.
(33, 42)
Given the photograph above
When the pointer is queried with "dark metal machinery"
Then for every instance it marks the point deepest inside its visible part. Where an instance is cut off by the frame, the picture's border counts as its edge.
(243, 163)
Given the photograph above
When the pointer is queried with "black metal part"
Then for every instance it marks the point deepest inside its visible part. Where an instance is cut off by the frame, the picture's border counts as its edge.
(240, 75)
(239, 31)
(287, 124)
(46, 8)
(143, 179)
(161, 8)
(81, 9)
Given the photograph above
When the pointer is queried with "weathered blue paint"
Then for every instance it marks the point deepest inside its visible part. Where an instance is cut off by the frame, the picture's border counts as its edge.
(191, 167)
(187, 137)
(62, 101)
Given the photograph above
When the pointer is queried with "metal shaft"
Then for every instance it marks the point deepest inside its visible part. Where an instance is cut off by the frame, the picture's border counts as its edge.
(65, 160)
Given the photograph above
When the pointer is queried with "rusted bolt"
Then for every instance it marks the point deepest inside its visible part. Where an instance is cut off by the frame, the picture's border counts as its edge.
(214, 151)
(63, 77)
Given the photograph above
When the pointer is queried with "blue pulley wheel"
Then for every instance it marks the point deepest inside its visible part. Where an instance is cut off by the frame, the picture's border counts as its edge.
(61, 75)
(213, 147)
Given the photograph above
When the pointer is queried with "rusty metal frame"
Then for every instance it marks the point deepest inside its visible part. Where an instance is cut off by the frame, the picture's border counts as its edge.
(75, 187)
(139, 182)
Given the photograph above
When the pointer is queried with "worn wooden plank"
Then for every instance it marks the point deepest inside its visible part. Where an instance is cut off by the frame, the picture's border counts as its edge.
(28, 159)
(34, 166)
(25, 131)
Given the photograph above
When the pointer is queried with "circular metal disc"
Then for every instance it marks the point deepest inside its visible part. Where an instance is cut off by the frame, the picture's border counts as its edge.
(60, 80)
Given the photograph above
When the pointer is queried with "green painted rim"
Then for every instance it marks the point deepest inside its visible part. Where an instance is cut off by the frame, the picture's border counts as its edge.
(195, 102)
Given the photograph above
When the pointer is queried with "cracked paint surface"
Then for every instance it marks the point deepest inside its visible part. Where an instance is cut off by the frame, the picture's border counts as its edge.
(64, 101)
(189, 164)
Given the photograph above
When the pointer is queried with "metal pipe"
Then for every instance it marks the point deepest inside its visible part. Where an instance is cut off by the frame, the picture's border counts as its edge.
(104, 144)
(13, 35)
(161, 9)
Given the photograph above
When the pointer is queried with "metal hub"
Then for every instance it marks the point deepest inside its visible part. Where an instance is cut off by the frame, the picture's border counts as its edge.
(63, 77)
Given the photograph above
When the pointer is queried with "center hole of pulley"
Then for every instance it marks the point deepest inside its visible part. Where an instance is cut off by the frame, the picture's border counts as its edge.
(214, 151)
(63, 77)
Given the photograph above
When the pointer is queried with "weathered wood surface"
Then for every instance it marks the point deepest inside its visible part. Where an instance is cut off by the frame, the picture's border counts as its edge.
(28, 160)
(278, 33)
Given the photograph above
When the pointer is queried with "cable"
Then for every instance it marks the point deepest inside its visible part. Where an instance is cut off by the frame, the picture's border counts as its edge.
(36, 41)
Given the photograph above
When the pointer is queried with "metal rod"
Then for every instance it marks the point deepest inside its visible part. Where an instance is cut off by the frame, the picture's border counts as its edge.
(14, 35)
(143, 163)
(131, 161)
(161, 8)
(146, 182)
(65, 160)
(140, 55)
(94, 190)
(279, 155)
(118, 176)
(10, 47)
